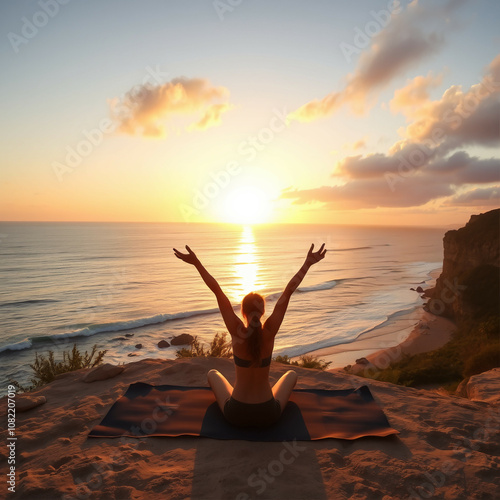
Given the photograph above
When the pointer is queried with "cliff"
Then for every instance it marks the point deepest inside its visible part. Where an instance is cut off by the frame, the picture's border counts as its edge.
(469, 283)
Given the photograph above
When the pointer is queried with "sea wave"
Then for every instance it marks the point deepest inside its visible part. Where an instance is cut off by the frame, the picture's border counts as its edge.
(326, 285)
(27, 302)
(358, 248)
(305, 348)
(116, 326)
(348, 249)
(17, 346)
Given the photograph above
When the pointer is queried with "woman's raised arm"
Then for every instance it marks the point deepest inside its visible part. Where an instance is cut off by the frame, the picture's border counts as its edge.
(231, 321)
(274, 321)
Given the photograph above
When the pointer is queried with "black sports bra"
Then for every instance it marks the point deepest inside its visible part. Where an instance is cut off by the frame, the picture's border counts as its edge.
(244, 363)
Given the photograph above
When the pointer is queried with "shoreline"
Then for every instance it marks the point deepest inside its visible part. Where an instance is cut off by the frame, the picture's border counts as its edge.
(411, 333)
(429, 334)
(384, 336)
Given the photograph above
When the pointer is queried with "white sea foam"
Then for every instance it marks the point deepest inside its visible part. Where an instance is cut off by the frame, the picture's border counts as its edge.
(18, 346)
(327, 285)
(117, 326)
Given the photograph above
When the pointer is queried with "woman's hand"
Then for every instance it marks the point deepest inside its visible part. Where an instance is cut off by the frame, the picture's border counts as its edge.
(313, 257)
(189, 257)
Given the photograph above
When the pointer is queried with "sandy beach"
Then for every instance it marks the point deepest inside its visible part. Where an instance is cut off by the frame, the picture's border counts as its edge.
(411, 333)
(447, 446)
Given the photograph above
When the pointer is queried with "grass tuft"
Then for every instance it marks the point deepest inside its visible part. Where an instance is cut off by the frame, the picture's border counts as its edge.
(218, 348)
(46, 368)
(222, 348)
(305, 361)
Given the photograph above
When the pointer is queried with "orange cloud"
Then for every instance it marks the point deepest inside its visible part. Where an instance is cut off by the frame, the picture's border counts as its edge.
(415, 93)
(427, 166)
(410, 36)
(459, 118)
(145, 108)
(212, 116)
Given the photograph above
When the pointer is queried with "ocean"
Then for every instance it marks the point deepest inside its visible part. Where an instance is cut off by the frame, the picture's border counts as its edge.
(119, 284)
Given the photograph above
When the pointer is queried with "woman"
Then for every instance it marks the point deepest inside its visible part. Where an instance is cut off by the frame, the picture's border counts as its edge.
(252, 401)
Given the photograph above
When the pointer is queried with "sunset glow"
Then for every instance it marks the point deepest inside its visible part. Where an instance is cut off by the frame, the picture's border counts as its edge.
(246, 268)
(247, 205)
(386, 116)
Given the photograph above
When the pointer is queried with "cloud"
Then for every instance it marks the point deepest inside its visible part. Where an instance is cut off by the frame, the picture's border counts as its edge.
(212, 116)
(379, 181)
(459, 118)
(408, 157)
(429, 163)
(489, 196)
(361, 144)
(407, 38)
(464, 169)
(415, 93)
(373, 193)
(370, 166)
(144, 109)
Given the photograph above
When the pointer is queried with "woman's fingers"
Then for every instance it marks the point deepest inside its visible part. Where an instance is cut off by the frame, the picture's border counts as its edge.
(179, 255)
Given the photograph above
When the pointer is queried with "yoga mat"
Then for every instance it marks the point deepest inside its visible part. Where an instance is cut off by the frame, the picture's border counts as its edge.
(311, 414)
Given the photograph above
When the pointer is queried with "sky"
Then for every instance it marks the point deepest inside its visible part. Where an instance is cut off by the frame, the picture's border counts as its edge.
(368, 112)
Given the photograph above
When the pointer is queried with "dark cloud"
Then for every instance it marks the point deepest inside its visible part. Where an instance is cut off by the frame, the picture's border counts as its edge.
(460, 168)
(373, 193)
(489, 196)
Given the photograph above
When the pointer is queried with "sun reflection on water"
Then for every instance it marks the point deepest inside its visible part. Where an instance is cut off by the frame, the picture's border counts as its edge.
(246, 265)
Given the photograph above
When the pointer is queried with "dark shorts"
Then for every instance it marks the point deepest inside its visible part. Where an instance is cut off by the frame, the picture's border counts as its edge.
(252, 414)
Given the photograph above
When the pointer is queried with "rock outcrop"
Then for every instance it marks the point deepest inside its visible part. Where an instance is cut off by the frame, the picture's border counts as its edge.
(182, 339)
(469, 282)
(485, 386)
(102, 372)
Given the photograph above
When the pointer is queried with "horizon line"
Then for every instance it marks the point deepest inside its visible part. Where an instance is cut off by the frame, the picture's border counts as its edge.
(449, 226)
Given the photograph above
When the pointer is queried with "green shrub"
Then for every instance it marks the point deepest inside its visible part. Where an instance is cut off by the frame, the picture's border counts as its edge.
(305, 361)
(46, 368)
(285, 360)
(218, 348)
(310, 361)
(486, 359)
(473, 348)
(222, 348)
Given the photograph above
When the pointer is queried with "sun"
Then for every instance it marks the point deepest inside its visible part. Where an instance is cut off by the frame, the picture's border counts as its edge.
(247, 205)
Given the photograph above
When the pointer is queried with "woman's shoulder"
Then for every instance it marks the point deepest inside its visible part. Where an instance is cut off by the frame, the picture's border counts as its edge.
(268, 332)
